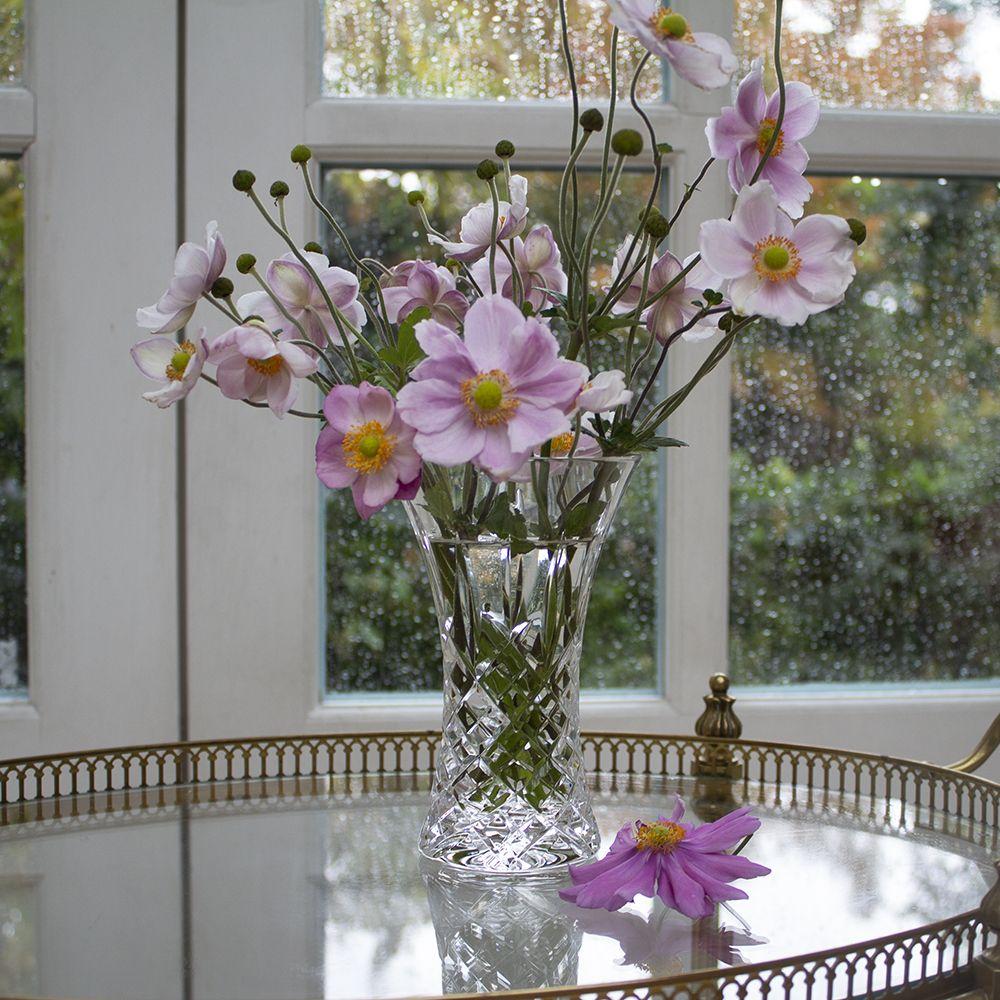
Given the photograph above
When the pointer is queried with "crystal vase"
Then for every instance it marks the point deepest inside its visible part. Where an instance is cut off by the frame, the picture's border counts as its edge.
(511, 567)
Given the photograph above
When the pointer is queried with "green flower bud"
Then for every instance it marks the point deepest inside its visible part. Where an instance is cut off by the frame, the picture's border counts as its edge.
(313, 247)
(415, 198)
(859, 231)
(301, 154)
(243, 180)
(505, 149)
(627, 142)
(656, 224)
(592, 120)
(487, 170)
(245, 263)
(222, 288)
(726, 322)
(279, 189)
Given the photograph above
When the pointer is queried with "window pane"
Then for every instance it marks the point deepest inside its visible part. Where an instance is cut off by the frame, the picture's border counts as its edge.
(936, 55)
(13, 611)
(503, 49)
(864, 468)
(381, 630)
(11, 41)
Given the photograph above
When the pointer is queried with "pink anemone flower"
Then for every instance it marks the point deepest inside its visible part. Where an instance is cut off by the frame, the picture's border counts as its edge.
(686, 866)
(254, 366)
(775, 268)
(195, 271)
(675, 308)
(296, 289)
(367, 446)
(476, 232)
(416, 283)
(701, 58)
(605, 391)
(176, 366)
(539, 265)
(492, 397)
(741, 135)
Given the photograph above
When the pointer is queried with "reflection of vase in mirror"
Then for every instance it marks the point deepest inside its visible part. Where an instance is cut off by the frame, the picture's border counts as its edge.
(500, 935)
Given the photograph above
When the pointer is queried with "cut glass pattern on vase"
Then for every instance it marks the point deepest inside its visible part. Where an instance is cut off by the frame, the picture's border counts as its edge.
(511, 567)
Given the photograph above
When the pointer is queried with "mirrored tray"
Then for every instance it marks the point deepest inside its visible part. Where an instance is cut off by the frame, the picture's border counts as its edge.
(287, 868)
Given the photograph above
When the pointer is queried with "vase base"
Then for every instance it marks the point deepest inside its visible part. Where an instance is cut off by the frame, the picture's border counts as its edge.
(540, 862)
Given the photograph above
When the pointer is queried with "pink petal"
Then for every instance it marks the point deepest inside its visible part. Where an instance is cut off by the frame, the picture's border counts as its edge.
(756, 214)
(559, 386)
(253, 342)
(341, 286)
(376, 403)
(290, 281)
(533, 351)
(231, 376)
(331, 467)
(431, 405)
(688, 894)
(531, 426)
(724, 249)
(634, 875)
(299, 362)
(728, 134)
(152, 357)
(792, 189)
(458, 443)
(751, 101)
(715, 889)
(489, 324)
(801, 111)
(380, 487)
(782, 301)
(822, 234)
(707, 62)
(342, 408)
(281, 391)
(496, 457)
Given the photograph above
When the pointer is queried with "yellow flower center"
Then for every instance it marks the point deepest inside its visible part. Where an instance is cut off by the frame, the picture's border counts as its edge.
(764, 137)
(266, 366)
(776, 258)
(179, 362)
(489, 398)
(662, 836)
(367, 447)
(668, 24)
(561, 444)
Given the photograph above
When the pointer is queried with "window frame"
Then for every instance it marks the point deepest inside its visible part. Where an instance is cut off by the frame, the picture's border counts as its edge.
(249, 679)
(102, 586)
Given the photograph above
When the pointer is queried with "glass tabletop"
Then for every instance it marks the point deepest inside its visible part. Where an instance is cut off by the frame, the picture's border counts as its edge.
(319, 892)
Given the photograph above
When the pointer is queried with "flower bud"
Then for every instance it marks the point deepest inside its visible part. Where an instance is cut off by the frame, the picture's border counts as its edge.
(656, 224)
(726, 322)
(627, 142)
(505, 149)
(279, 189)
(592, 120)
(301, 154)
(415, 198)
(859, 231)
(245, 263)
(243, 180)
(487, 170)
(313, 247)
(222, 288)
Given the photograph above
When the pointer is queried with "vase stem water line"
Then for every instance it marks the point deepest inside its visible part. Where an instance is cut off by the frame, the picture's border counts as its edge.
(511, 570)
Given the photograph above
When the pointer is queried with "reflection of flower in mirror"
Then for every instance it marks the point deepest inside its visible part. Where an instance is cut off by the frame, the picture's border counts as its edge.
(663, 943)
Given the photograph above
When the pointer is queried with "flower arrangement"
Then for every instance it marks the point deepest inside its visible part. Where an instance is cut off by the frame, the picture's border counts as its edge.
(465, 385)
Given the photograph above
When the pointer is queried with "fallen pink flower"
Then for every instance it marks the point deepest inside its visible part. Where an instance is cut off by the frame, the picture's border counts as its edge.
(686, 866)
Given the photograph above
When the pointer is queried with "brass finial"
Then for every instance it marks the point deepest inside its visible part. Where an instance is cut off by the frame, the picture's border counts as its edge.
(718, 721)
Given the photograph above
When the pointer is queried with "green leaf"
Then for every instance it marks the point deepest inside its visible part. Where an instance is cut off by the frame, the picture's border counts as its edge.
(605, 324)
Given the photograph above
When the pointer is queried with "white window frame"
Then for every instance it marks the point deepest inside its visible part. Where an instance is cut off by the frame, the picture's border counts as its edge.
(255, 578)
(99, 237)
